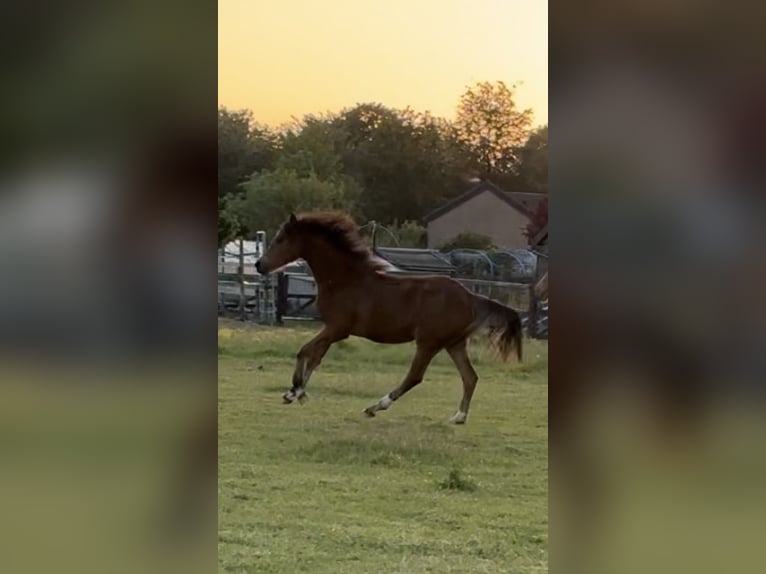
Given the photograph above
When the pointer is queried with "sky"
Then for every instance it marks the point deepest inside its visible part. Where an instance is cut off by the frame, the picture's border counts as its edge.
(287, 58)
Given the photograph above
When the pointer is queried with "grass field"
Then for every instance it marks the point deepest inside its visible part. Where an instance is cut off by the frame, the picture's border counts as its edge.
(320, 488)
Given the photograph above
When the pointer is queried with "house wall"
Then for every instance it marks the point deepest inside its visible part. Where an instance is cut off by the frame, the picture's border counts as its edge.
(485, 214)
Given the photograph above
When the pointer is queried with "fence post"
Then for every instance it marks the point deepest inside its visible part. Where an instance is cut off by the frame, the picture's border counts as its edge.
(241, 274)
(532, 317)
(281, 302)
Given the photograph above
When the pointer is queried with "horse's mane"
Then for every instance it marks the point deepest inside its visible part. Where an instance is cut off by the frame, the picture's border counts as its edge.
(340, 231)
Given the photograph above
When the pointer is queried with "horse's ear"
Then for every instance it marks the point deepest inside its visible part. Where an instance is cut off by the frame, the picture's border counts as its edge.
(293, 219)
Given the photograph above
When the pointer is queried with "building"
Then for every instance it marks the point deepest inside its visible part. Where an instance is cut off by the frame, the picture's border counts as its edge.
(539, 244)
(485, 209)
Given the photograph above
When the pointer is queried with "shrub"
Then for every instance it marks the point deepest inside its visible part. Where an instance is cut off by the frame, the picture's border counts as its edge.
(456, 481)
(469, 241)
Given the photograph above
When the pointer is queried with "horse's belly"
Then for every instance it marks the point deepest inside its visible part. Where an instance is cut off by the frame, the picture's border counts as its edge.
(391, 338)
(384, 335)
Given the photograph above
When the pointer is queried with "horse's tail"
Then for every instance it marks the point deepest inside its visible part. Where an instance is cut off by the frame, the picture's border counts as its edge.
(502, 323)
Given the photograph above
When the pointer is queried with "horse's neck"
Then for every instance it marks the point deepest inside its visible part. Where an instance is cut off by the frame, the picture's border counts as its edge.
(331, 267)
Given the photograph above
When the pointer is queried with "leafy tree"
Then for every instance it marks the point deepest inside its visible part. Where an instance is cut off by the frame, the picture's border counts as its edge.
(489, 122)
(244, 147)
(313, 146)
(271, 196)
(376, 162)
(531, 173)
(469, 241)
(229, 227)
(405, 163)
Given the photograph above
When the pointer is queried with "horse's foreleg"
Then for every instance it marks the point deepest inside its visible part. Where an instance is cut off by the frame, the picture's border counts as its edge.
(308, 359)
(423, 357)
(459, 356)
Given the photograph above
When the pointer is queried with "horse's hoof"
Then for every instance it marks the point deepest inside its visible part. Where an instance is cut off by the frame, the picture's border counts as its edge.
(302, 398)
(458, 418)
(369, 412)
(288, 397)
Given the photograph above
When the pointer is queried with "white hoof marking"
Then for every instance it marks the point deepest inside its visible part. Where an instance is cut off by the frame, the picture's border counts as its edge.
(291, 395)
(458, 418)
(381, 405)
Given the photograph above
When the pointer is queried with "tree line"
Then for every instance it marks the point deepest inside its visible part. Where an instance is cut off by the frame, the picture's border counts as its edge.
(377, 163)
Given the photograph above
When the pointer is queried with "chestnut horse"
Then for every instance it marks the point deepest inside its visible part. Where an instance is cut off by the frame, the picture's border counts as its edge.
(355, 297)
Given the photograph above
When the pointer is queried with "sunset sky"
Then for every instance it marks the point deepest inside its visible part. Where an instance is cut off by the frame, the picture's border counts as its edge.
(283, 58)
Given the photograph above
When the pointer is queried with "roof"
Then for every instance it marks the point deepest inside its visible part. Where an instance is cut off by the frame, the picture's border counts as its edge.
(530, 200)
(388, 267)
(508, 197)
(540, 237)
(416, 260)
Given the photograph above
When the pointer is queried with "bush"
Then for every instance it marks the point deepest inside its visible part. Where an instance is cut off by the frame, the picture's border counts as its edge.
(469, 241)
(409, 234)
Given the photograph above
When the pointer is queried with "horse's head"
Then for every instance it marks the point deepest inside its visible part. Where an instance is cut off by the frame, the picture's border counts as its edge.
(284, 249)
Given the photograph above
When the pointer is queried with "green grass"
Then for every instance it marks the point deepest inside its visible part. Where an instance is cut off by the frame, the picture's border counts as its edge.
(320, 488)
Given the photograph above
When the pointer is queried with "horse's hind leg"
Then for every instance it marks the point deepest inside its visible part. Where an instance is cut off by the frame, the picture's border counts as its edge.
(459, 355)
(423, 357)
(308, 359)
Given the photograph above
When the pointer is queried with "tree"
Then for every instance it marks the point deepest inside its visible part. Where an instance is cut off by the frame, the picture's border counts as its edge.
(469, 241)
(531, 173)
(405, 163)
(311, 148)
(244, 148)
(379, 163)
(271, 196)
(491, 125)
(313, 145)
(229, 227)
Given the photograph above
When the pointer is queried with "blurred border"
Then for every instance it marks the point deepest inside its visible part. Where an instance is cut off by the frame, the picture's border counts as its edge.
(657, 149)
(107, 331)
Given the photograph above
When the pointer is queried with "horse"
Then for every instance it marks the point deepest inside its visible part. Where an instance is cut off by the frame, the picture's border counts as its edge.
(355, 296)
